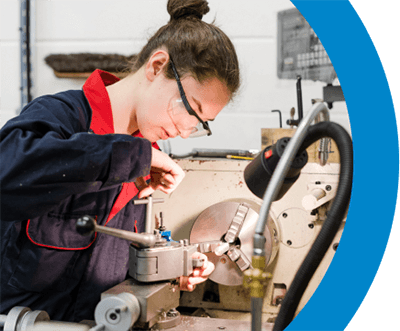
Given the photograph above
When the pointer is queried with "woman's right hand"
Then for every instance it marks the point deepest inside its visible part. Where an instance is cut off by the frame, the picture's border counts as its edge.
(165, 175)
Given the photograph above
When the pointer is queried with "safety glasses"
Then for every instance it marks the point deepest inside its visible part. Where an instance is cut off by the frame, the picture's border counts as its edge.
(198, 130)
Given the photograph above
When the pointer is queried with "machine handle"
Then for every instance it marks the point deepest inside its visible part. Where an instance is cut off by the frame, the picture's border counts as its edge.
(87, 225)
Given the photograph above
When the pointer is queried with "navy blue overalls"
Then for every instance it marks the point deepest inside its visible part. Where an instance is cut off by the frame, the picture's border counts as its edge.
(60, 160)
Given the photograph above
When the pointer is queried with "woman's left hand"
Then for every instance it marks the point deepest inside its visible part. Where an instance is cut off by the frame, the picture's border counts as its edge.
(199, 274)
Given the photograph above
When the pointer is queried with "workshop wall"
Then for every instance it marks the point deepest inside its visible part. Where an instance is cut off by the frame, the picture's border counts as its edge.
(9, 60)
(123, 26)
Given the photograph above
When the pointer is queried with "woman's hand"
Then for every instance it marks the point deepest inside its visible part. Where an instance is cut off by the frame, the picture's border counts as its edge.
(165, 175)
(199, 275)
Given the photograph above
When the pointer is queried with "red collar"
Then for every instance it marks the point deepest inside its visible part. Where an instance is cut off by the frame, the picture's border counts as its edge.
(103, 123)
(96, 93)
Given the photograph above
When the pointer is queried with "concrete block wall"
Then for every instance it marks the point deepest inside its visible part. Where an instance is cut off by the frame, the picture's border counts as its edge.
(123, 26)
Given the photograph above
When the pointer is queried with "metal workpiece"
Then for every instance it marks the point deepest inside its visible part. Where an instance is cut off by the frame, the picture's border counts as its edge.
(154, 299)
(164, 262)
(87, 225)
(118, 312)
(233, 221)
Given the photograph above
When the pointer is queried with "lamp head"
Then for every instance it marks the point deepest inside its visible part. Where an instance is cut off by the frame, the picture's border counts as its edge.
(258, 172)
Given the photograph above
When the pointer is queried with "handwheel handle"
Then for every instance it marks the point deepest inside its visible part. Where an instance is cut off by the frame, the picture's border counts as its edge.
(85, 225)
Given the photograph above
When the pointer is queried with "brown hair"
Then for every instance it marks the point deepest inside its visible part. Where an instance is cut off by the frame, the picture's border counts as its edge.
(198, 49)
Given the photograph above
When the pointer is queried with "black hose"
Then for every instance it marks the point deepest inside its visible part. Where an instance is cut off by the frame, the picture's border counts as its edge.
(331, 224)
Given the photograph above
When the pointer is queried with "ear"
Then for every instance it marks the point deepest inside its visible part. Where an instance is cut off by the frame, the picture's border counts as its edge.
(156, 64)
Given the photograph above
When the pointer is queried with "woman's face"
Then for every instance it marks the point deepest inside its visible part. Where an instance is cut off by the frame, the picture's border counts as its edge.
(157, 115)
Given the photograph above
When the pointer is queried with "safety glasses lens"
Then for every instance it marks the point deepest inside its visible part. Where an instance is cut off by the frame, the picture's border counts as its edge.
(198, 131)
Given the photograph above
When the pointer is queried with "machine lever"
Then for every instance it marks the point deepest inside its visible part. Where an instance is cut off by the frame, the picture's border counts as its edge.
(292, 121)
(280, 116)
(87, 225)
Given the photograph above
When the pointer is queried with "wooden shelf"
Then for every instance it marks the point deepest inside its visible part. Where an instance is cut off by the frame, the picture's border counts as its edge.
(85, 75)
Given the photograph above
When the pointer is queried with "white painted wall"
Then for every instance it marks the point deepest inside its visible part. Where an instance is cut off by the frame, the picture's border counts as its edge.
(9, 59)
(123, 26)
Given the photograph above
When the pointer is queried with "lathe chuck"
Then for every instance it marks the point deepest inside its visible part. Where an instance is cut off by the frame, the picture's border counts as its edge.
(233, 222)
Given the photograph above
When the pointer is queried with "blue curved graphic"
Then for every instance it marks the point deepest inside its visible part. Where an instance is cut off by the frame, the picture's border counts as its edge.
(376, 168)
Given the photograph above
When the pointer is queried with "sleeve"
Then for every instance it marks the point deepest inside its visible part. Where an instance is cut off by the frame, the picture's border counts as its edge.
(46, 156)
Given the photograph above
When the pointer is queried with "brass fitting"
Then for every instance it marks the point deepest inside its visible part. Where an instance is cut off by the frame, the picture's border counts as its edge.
(256, 279)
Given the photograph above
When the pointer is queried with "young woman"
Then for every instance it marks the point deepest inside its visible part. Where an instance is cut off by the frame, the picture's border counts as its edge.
(93, 151)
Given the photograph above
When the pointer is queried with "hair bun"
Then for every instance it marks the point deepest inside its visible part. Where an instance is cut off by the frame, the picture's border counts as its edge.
(187, 8)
